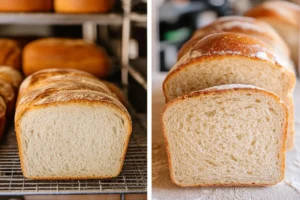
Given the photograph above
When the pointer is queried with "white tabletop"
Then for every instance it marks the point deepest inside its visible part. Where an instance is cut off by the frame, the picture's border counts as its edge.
(164, 189)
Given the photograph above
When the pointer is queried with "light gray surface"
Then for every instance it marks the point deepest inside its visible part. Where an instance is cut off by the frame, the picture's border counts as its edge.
(164, 189)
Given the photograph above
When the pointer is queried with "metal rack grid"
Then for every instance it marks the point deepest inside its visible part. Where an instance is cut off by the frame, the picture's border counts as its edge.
(60, 19)
(133, 178)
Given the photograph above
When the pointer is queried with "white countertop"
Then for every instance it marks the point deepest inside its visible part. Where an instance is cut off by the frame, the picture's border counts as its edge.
(164, 189)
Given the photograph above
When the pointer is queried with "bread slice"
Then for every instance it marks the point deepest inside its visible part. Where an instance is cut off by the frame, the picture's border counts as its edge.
(53, 146)
(230, 135)
(231, 58)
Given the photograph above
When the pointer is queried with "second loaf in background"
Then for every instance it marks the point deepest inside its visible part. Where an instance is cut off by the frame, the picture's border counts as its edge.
(65, 53)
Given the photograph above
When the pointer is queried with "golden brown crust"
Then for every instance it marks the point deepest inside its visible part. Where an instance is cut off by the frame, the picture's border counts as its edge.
(282, 11)
(11, 75)
(38, 78)
(86, 6)
(222, 91)
(117, 91)
(81, 102)
(222, 45)
(26, 6)
(10, 53)
(65, 53)
(236, 24)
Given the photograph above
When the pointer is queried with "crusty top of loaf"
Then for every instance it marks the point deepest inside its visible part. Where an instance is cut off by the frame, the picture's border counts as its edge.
(39, 76)
(9, 52)
(227, 44)
(282, 11)
(237, 24)
(12, 75)
(58, 97)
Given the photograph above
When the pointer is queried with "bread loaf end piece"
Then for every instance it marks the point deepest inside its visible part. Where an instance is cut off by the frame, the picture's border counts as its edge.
(232, 135)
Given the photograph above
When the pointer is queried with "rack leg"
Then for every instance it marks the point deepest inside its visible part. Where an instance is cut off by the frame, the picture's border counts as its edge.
(89, 32)
(122, 196)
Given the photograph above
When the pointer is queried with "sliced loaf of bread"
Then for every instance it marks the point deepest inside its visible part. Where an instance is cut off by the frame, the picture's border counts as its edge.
(71, 130)
(231, 58)
(230, 135)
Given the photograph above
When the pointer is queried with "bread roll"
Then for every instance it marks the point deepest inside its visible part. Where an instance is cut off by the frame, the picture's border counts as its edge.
(10, 53)
(26, 6)
(229, 135)
(248, 26)
(65, 53)
(11, 75)
(83, 6)
(284, 18)
(230, 58)
(84, 120)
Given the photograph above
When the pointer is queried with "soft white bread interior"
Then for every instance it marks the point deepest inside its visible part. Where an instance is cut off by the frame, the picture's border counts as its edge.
(231, 135)
(71, 130)
(284, 17)
(230, 58)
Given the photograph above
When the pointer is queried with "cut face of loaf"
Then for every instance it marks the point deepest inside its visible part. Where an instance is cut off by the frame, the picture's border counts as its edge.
(230, 58)
(76, 134)
(231, 135)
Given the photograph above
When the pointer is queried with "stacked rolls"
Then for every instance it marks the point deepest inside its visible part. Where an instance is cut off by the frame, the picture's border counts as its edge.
(50, 101)
(217, 129)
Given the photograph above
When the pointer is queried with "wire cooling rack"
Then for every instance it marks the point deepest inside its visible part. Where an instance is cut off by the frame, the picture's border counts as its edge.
(133, 178)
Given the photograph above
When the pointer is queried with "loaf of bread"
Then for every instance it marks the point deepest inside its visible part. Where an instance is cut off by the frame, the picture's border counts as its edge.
(12, 76)
(284, 18)
(88, 126)
(83, 6)
(248, 26)
(26, 6)
(65, 53)
(229, 135)
(10, 53)
(231, 58)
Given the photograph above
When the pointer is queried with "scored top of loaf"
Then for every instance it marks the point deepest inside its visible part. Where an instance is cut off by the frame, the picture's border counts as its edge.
(12, 75)
(283, 11)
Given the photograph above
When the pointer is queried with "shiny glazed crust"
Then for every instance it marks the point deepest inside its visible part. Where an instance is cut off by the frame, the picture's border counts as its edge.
(65, 53)
(212, 91)
(83, 6)
(236, 24)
